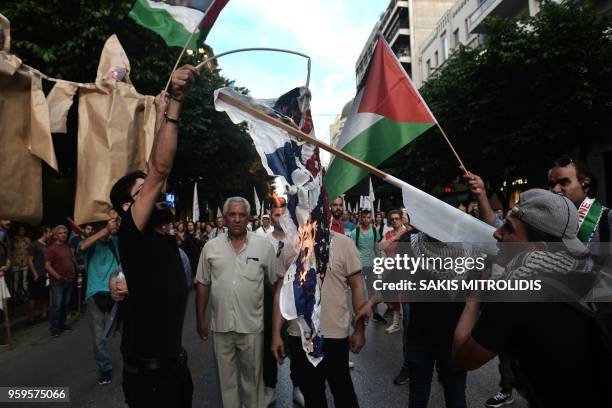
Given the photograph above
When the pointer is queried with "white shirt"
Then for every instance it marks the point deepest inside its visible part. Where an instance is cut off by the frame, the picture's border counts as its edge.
(264, 232)
(236, 282)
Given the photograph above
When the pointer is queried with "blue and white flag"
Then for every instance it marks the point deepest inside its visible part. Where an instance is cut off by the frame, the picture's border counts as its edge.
(306, 223)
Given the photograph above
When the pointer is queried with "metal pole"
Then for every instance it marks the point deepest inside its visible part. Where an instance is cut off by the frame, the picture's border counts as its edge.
(214, 57)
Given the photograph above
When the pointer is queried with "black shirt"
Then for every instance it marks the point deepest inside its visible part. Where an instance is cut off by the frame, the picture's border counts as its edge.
(557, 350)
(154, 311)
(37, 251)
(432, 324)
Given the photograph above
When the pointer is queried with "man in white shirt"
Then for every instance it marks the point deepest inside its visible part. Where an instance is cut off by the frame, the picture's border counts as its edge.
(266, 227)
(232, 271)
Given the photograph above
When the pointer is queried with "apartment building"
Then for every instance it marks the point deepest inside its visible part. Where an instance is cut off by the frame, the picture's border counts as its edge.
(404, 24)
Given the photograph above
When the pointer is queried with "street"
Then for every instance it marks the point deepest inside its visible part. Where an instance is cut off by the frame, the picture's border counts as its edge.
(67, 361)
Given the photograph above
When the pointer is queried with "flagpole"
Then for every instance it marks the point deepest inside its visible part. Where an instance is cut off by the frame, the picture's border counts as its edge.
(179, 58)
(381, 37)
(473, 230)
(452, 148)
(301, 135)
(307, 138)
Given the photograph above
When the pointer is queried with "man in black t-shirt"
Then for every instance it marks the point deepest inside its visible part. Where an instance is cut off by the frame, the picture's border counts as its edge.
(155, 373)
(554, 347)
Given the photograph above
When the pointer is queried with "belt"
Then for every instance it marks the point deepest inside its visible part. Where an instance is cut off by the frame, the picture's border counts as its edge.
(136, 365)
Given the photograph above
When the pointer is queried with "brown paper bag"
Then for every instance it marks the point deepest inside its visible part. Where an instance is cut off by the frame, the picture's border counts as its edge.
(25, 137)
(116, 126)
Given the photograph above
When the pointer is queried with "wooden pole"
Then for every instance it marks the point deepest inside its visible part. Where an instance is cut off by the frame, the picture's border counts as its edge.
(179, 58)
(300, 135)
(452, 148)
(7, 322)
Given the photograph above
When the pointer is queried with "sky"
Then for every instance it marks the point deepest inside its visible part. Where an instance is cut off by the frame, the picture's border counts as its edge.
(332, 32)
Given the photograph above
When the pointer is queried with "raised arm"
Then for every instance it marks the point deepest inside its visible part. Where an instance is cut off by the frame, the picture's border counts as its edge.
(477, 187)
(164, 146)
(102, 233)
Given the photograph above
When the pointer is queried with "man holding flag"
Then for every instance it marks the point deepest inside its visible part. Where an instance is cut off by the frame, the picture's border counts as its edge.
(155, 373)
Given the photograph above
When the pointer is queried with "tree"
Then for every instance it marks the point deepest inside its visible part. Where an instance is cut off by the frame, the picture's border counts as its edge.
(537, 88)
(64, 39)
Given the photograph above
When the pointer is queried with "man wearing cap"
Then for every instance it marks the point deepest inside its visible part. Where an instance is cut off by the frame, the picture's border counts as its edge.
(572, 179)
(266, 228)
(220, 227)
(557, 367)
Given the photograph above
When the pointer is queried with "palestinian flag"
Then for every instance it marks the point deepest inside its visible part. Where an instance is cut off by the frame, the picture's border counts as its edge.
(175, 20)
(386, 115)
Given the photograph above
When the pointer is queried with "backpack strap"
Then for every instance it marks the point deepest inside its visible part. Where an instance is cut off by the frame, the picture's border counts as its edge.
(357, 236)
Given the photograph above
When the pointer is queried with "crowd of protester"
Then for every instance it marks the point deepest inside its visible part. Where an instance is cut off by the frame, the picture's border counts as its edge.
(46, 268)
(137, 268)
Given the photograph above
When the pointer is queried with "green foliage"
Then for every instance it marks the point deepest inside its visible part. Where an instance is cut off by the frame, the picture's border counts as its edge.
(64, 39)
(538, 87)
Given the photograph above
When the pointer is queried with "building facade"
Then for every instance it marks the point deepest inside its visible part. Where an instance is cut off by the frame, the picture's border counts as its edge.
(404, 24)
(452, 29)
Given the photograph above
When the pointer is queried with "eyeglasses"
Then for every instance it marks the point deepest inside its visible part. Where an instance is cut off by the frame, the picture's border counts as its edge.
(395, 219)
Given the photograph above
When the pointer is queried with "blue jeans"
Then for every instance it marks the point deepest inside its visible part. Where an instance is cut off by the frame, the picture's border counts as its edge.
(62, 293)
(421, 362)
(98, 321)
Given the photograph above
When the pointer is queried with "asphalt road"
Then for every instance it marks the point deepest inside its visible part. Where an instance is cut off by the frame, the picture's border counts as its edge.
(39, 360)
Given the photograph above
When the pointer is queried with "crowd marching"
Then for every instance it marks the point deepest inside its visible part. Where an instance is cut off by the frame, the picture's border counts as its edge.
(138, 267)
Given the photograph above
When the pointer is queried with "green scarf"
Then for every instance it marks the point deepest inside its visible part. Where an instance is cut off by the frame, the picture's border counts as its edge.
(589, 213)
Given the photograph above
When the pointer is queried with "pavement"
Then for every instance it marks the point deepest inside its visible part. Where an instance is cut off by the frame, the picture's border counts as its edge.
(36, 359)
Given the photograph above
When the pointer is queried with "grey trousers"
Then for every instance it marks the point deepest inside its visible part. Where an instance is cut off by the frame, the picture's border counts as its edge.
(98, 321)
(240, 355)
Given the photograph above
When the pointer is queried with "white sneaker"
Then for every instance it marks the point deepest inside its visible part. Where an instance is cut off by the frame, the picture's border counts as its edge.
(298, 398)
(394, 328)
(351, 364)
(269, 396)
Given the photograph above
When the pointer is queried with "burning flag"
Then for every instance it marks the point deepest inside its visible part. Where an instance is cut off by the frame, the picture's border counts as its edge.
(306, 222)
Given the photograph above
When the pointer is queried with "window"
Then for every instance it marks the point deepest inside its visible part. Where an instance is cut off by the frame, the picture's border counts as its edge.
(436, 61)
(428, 67)
(445, 48)
(455, 38)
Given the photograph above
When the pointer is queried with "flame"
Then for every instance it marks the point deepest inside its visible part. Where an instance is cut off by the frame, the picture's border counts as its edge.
(306, 235)
(277, 201)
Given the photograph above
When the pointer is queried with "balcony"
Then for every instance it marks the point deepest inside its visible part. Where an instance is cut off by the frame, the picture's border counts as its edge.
(400, 29)
(403, 54)
(495, 8)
